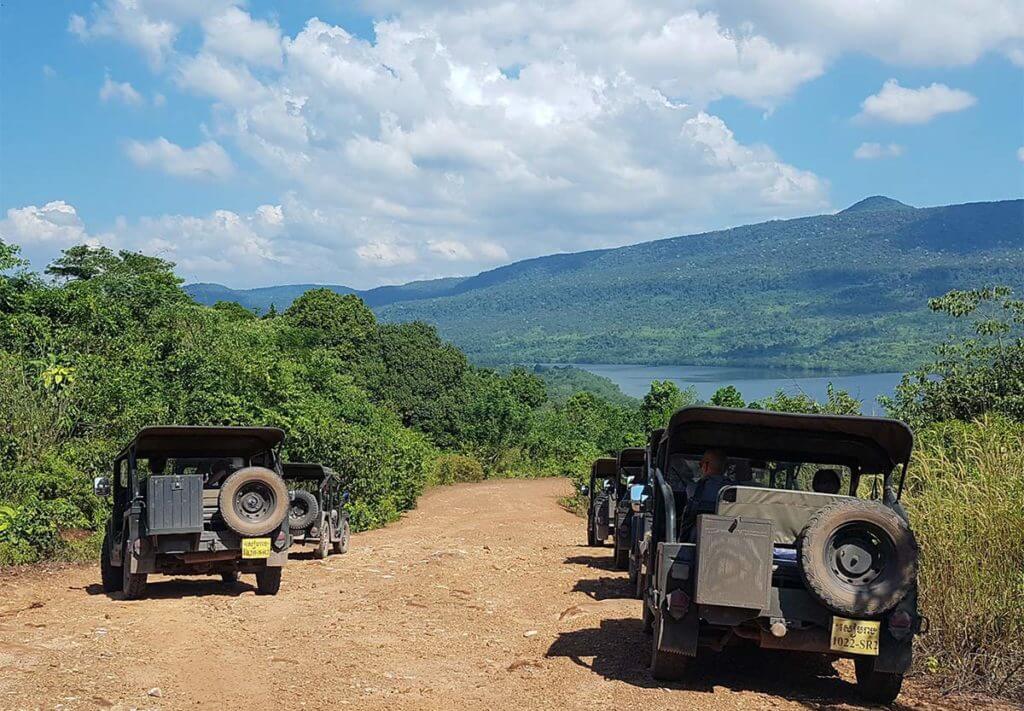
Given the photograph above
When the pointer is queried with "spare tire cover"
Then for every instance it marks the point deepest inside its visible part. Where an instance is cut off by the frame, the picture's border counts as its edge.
(303, 509)
(859, 558)
(254, 501)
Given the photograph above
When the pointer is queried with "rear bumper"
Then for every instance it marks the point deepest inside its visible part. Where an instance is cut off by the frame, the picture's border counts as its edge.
(203, 553)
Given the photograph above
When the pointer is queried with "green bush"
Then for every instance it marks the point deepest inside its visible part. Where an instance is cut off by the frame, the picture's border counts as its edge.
(456, 469)
(966, 501)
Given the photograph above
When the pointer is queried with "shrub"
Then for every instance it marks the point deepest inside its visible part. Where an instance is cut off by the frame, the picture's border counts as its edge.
(966, 500)
(456, 468)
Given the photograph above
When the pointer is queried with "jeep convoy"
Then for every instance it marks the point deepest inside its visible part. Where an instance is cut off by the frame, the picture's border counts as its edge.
(738, 527)
(780, 531)
(208, 501)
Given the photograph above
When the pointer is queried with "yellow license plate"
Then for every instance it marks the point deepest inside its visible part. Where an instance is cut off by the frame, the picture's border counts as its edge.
(855, 636)
(255, 547)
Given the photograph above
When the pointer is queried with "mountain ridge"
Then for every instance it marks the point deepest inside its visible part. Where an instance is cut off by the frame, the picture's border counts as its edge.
(846, 289)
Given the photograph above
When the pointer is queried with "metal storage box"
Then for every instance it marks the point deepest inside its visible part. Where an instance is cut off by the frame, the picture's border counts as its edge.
(734, 562)
(174, 504)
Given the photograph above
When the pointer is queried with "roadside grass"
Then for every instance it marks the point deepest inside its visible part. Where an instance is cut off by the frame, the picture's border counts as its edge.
(966, 501)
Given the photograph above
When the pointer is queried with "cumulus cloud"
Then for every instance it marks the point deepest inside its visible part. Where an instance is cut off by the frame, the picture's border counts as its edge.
(119, 91)
(206, 161)
(873, 151)
(898, 104)
(55, 223)
(468, 133)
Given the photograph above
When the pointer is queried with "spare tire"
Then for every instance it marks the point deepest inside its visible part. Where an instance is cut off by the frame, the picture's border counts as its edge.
(303, 510)
(253, 501)
(858, 557)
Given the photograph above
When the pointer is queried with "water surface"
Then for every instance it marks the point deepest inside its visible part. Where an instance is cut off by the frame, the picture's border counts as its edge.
(753, 383)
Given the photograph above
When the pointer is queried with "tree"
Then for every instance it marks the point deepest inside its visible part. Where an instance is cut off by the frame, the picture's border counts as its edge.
(837, 402)
(342, 322)
(727, 396)
(83, 262)
(973, 375)
(663, 399)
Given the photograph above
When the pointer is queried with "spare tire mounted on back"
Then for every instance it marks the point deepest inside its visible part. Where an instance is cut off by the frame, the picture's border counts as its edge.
(254, 501)
(303, 511)
(859, 558)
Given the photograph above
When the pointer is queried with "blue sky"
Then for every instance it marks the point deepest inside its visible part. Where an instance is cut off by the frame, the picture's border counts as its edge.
(252, 144)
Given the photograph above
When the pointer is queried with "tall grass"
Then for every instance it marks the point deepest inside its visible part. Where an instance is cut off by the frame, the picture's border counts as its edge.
(966, 502)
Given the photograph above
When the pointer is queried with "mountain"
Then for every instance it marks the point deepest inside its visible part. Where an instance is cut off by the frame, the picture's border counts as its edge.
(844, 292)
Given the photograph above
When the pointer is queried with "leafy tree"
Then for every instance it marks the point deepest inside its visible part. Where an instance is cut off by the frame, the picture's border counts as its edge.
(971, 375)
(727, 396)
(336, 321)
(663, 399)
(83, 262)
(837, 402)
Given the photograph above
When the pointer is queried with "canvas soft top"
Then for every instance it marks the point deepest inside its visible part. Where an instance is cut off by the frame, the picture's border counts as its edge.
(632, 457)
(603, 467)
(306, 471)
(875, 444)
(195, 441)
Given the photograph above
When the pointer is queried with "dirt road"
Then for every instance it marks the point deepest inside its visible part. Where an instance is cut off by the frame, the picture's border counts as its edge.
(482, 598)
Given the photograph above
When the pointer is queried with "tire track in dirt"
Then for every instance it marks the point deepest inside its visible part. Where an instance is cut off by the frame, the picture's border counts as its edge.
(483, 597)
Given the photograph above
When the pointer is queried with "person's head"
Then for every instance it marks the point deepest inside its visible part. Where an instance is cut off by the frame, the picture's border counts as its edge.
(826, 481)
(712, 463)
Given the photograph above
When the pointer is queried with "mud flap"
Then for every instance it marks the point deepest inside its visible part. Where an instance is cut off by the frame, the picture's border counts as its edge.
(894, 655)
(680, 636)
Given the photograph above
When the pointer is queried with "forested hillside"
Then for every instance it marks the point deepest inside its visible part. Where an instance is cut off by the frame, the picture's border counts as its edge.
(110, 343)
(844, 291)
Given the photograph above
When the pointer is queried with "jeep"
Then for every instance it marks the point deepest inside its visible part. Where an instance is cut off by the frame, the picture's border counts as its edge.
(640, 526)
(196, 501)
(601, 500)
(630, 464)
(793, 538)
(316, 513)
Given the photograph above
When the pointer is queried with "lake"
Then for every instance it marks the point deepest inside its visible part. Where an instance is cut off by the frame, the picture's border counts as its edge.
(753, 383)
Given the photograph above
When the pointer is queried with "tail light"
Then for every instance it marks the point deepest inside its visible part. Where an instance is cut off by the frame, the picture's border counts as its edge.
(281, 539)
(678, 603)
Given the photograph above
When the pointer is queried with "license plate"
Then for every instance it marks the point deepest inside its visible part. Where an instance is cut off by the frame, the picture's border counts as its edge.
(855, 636)
(255, 547)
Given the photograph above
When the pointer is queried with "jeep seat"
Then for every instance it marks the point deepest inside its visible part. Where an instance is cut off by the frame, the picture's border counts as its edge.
(789, 511)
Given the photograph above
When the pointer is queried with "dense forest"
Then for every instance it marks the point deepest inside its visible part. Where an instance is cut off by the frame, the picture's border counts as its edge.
(103, 344)
(844, 292)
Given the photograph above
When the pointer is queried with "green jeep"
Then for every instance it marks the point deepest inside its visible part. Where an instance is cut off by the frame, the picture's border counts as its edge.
(601, 500)
(196, 501)
(317, 512)
(630, 465)
(799, 543)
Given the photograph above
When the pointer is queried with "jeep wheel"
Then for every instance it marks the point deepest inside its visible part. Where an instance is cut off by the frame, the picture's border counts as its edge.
(665, 665)
(323, 546)
(253, 501)
(647, 619)
(591, 536)
(341, 545)
(133, 585)
(621, 558)
(858, 558)
(110, 574)
(302, 510)
(230, 578)
(268, 581)
(875, 686)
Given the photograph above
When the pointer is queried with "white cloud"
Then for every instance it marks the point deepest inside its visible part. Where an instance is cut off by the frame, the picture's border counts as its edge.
(466, 133)
(205, 161)
(119, 91)
(898, 104)
(233, 33)
(873, 151)
(55, 223)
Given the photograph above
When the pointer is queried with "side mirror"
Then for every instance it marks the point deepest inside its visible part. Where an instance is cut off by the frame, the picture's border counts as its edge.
(345, 496)
(585, 490)
(101, 486)
(637, 497)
